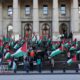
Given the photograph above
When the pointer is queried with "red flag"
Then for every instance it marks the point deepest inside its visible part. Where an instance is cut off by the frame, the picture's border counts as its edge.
(24, 47)
(1, 42)
(74, 58)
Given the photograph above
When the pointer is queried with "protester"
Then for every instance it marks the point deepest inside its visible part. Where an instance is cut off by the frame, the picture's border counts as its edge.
(14, 66)
(39, 64)
(26, 65)
(70, 36)
(52, 64)
(31, 63)
(65, 35)
(0, 64)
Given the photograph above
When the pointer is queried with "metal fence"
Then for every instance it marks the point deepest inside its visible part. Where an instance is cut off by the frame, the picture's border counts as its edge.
(58, 65)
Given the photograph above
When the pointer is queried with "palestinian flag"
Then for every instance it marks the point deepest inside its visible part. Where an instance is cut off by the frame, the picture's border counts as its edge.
(53, 47)
(49, 40)
(39, 42)
(56, 52)
(56, 45)
(17, 45)
(66, 45)
(72, 48)
(77, 52)
(74, 41)
(70, 61)
(5, 38)
(21, 51)
(22, 41)
(11, 43)
(7, 56)
(33, 38)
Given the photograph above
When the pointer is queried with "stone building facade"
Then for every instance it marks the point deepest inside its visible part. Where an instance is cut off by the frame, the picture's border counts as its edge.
(44, 17)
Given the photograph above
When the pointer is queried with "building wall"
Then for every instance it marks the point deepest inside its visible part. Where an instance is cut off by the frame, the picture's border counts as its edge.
(8, 20)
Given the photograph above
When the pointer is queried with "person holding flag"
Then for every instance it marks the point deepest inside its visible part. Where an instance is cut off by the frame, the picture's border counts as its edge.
(14, 66)
(26, 65)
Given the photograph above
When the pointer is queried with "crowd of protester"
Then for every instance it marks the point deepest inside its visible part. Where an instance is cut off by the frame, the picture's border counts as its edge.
(38, 51)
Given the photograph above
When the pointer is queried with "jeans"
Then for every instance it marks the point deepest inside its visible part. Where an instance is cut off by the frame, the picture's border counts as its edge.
(39, 67)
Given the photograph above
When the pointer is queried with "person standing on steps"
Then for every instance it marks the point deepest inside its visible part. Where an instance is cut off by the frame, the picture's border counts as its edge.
(26, 65)
(39, 64)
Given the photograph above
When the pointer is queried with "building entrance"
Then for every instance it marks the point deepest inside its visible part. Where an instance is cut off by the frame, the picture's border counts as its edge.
(63, 29)
(45, 30)
(28, 30)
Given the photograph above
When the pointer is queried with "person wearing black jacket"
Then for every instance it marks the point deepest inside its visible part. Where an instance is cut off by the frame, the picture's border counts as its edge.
(65, 35)
(70, 37)
(26, 65)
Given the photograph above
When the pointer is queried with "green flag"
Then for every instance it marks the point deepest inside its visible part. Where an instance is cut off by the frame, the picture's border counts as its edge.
(56, 52)
(8, 55)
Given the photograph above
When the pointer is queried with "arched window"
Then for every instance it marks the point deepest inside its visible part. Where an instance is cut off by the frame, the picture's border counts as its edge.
(45, 29)
(9, 30)
(63, 28)
(28, 30)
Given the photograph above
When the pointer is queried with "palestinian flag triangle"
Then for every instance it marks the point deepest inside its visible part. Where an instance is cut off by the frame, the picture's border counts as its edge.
(21, 51)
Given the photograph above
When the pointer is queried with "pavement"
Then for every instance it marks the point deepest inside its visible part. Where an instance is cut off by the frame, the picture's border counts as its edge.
(41, 77)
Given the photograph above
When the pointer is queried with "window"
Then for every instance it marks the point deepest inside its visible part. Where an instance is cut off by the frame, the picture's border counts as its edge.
(45, 9)
(10, 10)
(63, 9)
(79, 8)
(27, 9)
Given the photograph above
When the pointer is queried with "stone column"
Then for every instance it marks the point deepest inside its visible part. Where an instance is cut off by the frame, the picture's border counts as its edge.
(35, 17)
(1, 30)
(16, 17)
(55, 18)
(74, 17)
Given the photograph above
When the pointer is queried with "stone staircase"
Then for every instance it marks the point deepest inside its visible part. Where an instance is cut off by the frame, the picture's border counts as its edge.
(60, 64)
